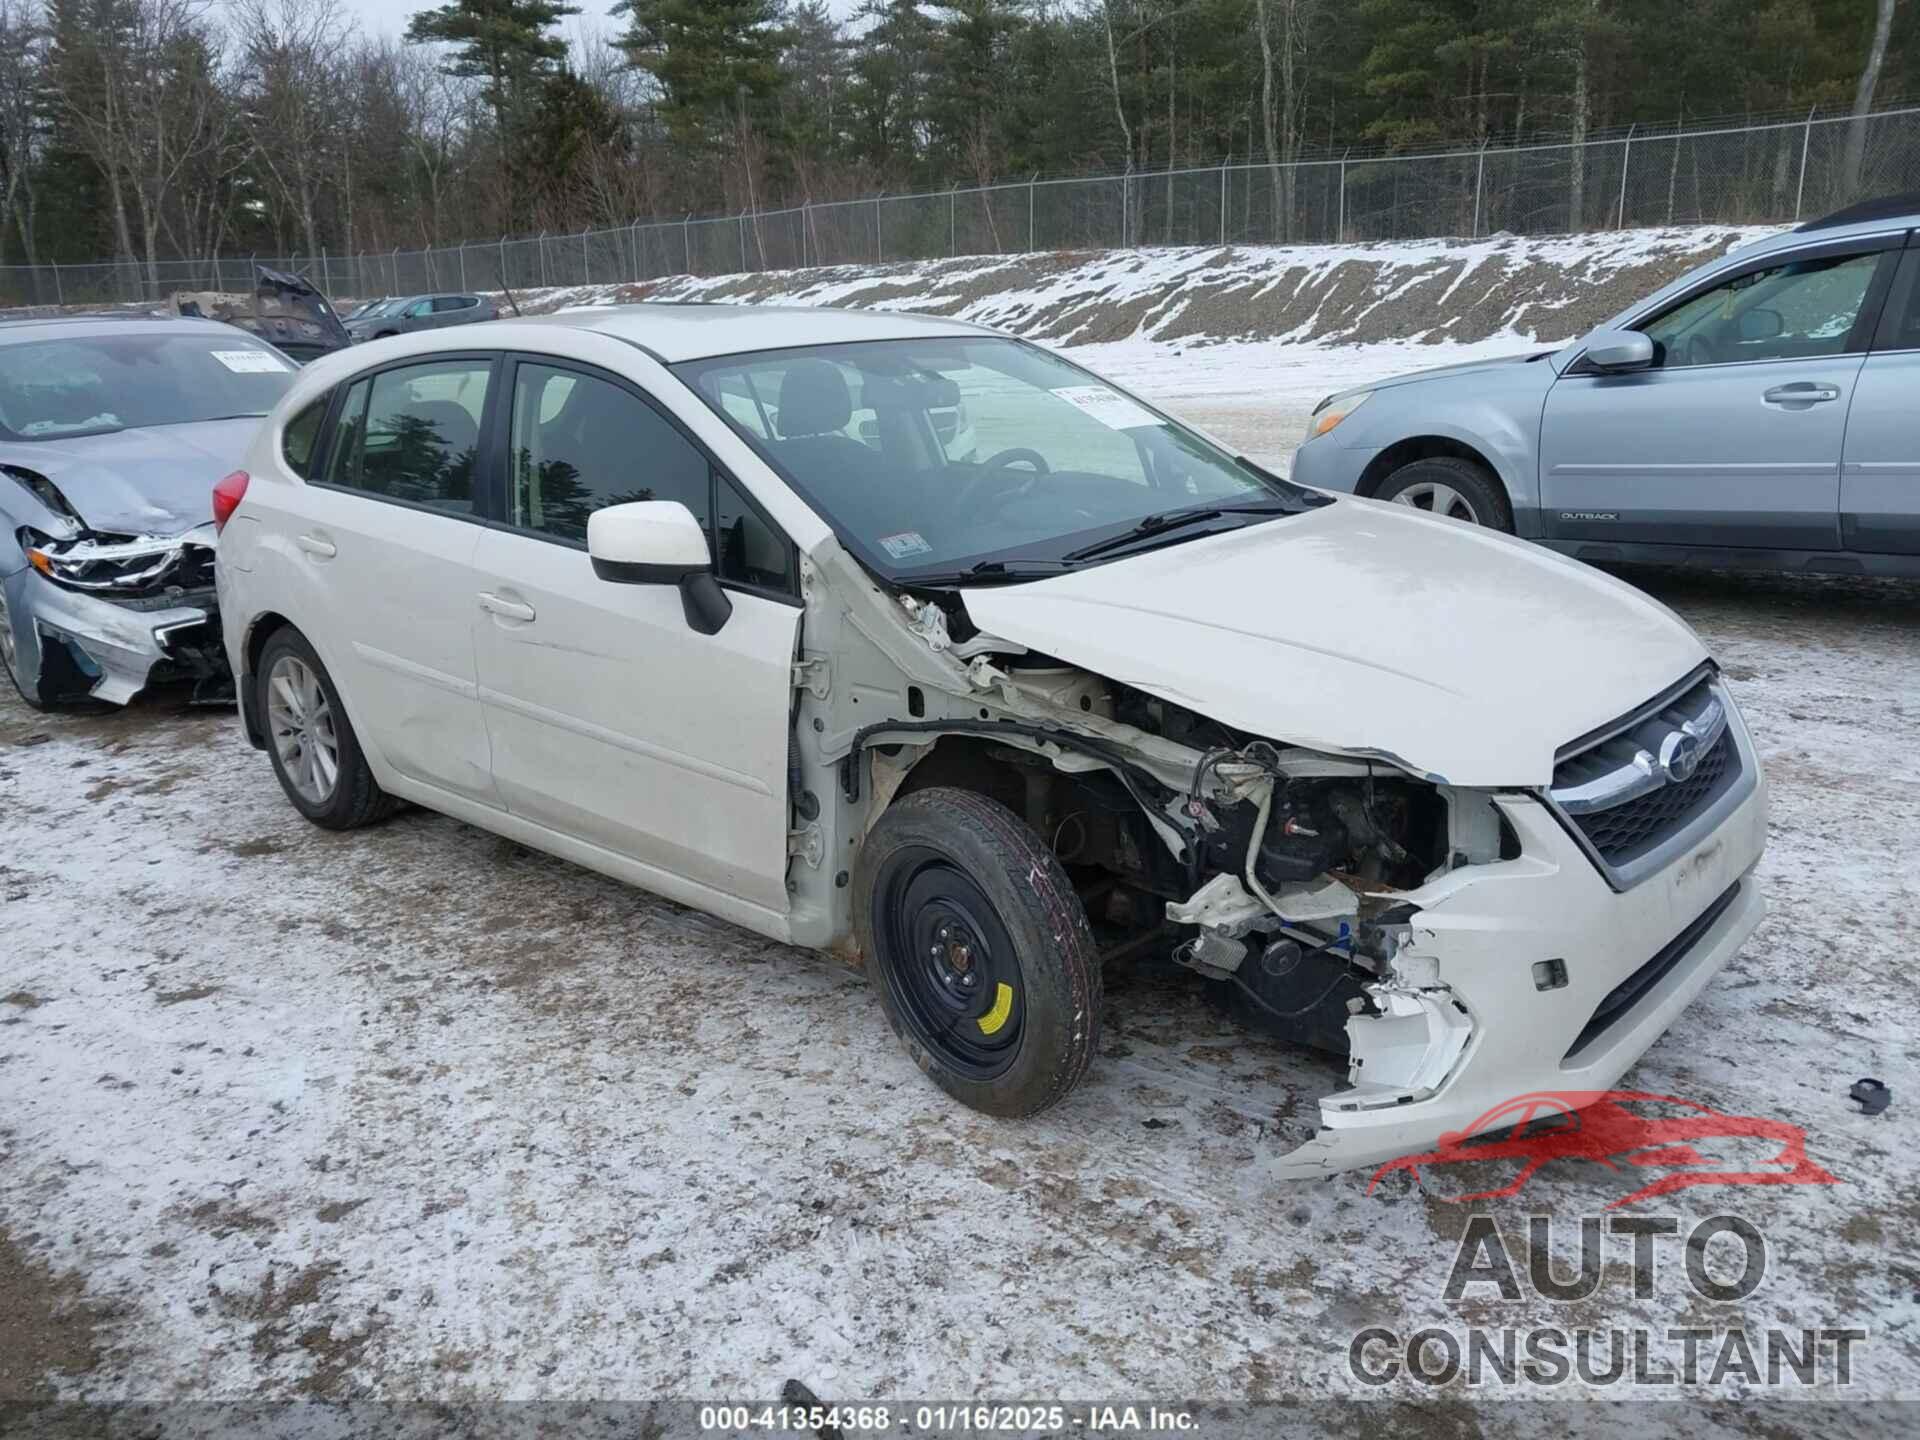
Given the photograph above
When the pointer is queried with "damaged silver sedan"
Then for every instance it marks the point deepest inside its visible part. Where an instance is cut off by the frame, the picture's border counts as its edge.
(112, 433)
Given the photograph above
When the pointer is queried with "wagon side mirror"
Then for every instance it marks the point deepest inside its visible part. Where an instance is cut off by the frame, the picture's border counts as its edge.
(1619, 350)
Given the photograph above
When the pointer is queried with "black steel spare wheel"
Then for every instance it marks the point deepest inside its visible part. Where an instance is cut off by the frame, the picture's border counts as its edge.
(981, 952)
(951, 966)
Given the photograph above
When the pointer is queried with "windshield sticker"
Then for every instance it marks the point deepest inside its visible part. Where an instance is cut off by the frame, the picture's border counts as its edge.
(907, 542)
(249, 362)
(1109, 407)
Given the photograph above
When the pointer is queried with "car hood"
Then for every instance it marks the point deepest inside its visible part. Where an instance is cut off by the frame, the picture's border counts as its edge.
(1365, 629)
(153, 481)
(1464, 367)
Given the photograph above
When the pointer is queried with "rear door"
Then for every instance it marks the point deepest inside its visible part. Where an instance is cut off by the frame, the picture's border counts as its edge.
(612, 720)
(1880, 483)
(1733, 437)
(390, 528)
(452, 310)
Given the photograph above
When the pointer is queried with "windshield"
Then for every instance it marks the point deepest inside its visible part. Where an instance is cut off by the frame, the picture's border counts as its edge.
(933, 458)
(89, 385)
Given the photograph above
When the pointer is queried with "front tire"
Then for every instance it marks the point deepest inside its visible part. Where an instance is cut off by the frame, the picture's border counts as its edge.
(1450, 486)
(316, 756)
(980, 949)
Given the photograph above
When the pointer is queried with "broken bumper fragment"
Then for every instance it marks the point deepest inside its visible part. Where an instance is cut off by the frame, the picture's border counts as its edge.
(1474, 1010)
(80, 646)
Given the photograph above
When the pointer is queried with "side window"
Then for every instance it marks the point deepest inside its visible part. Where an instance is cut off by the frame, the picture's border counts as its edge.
(1900, 325)
(749, 550)
(451, 302)
(301, 435)
(1799, 310)
(581, 443)
(413, 434)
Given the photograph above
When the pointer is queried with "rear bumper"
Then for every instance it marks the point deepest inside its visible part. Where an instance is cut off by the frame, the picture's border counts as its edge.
(117, 648)
(1479, 932)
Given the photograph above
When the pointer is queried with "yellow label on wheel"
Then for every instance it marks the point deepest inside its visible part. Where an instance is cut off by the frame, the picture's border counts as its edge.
(991, 1022)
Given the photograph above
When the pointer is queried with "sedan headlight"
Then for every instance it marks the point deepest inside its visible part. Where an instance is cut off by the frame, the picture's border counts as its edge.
(124, 567)
(1332, 410)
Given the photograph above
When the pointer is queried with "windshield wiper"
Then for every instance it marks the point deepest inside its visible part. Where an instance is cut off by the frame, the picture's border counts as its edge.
(1178, 520)
(987, 572)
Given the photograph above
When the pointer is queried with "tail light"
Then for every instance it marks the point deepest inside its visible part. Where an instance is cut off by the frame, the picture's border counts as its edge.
(227, 496)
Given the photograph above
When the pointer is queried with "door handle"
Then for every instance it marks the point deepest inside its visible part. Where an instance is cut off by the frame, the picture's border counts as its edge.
(505, 609)
(316, 547)
(1801, 392)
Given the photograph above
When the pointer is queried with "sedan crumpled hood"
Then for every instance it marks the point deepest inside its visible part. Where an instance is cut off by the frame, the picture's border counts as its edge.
(1362, 628)
(153, 481)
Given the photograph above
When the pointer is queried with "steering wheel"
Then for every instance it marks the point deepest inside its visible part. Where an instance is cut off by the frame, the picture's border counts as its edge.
(994, 467)
(1699, 351)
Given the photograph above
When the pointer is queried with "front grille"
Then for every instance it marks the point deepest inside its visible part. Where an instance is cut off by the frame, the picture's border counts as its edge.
(1630, 830)
(1627, 792)
(1624, 996)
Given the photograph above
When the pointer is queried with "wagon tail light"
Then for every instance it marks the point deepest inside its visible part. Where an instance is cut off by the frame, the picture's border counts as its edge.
(227, 496)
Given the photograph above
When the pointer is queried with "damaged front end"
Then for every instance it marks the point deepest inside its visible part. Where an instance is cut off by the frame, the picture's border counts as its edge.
(94, 615)
(1452, 942)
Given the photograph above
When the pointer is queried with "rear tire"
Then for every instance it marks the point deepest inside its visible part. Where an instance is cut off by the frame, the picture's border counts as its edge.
(316, 756)
(980, 950)
(1448, 485)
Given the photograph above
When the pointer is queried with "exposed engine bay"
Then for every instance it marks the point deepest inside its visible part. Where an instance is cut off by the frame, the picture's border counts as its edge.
(1277, 874)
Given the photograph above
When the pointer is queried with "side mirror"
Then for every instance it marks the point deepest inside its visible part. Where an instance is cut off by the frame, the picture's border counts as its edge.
(1613, 350)
(1760, 323)
(658, 542)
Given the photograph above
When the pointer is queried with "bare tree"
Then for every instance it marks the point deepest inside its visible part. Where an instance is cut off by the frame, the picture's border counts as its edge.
(1120, 114)
(291, 55)
(149, 107)
(23, 59)
(1856, 152)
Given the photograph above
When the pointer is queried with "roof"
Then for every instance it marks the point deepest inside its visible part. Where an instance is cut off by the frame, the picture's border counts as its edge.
(1888, 207)
(47, 327)
(677, 332)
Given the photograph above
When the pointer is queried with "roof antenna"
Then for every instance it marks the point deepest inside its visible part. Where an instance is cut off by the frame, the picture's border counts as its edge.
(510, 300)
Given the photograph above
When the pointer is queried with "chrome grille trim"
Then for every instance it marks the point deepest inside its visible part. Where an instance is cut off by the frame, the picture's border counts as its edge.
(1639, 793)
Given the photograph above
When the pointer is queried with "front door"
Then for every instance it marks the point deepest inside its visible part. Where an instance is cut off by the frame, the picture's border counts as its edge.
(612, 720)
(1733, 436)
(390, 528)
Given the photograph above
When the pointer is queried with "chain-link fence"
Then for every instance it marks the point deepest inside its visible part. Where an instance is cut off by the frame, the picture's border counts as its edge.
(1752, 174)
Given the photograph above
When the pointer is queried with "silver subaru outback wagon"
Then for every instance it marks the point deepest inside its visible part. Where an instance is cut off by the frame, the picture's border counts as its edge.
(1760, 412)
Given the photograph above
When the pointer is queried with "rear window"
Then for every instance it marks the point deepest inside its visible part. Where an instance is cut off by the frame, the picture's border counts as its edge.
(96, 384)
(302, 434)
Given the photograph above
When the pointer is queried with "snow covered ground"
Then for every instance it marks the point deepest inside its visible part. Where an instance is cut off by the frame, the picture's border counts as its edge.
(416, 1113)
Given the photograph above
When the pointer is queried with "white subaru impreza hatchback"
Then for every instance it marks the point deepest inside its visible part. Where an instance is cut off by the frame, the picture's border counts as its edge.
(729, 603)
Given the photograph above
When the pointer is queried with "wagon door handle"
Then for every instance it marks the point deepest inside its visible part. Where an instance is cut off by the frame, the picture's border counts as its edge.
(317, 547)
(1801, 392)
(505, 609)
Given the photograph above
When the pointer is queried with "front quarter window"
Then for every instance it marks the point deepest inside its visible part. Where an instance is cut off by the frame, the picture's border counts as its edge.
(941, 455)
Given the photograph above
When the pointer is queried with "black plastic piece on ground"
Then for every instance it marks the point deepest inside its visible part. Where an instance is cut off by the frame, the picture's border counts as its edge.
(796, 1396)
(1870, 1095)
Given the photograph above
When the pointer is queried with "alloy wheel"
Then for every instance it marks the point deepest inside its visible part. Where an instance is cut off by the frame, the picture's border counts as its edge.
(1438, 499)
(301, 723)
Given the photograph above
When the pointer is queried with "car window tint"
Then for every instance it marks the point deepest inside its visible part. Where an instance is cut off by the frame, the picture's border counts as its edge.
(1799, 310)
(302, 433)
(451, 302)
(581, 443)
(413, 434)
(748, 549)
